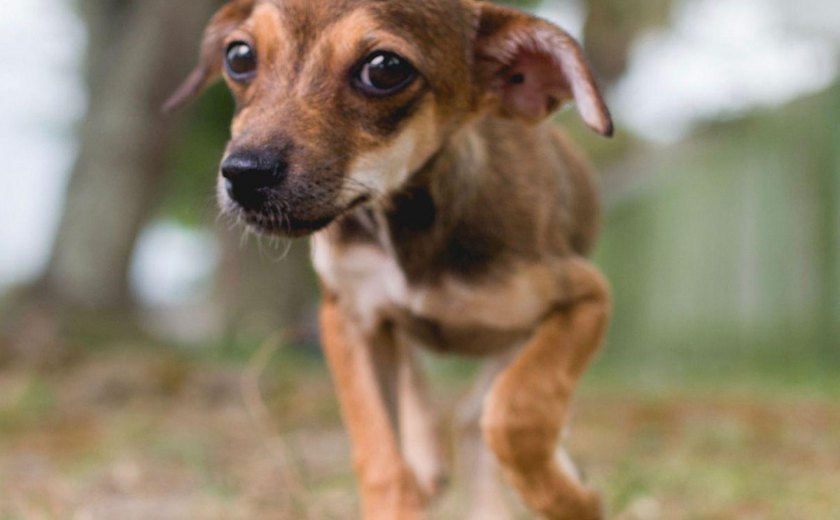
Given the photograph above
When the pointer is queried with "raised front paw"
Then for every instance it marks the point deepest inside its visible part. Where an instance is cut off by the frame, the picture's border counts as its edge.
(586, 505)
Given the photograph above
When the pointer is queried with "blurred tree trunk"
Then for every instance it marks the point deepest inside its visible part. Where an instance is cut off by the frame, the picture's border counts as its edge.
(137, 53)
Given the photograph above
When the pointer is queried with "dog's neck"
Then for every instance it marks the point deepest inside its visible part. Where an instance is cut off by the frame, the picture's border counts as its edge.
(432, 225)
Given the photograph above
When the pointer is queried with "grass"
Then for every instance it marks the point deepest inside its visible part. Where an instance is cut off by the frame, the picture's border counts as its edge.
(150, 433)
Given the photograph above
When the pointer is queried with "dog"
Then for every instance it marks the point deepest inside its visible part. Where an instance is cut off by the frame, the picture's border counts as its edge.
(410, 140)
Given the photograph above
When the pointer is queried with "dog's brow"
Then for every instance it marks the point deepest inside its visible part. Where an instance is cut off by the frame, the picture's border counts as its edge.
(342, 41)
(308, 21)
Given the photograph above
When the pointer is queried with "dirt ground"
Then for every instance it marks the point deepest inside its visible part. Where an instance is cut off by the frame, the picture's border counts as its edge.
(141, 434)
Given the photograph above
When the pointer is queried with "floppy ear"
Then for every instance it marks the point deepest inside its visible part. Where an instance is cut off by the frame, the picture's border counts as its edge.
(209, 66)
(531, 67)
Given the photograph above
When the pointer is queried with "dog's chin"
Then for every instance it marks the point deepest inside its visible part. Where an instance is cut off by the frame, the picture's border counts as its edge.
(284, 226)
(271, 221)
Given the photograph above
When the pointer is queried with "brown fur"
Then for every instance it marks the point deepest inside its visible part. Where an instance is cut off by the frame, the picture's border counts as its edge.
(448, 216)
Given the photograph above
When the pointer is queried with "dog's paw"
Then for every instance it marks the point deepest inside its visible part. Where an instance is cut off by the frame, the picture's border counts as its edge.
(428, 467)
(586, 504)
(432, 481)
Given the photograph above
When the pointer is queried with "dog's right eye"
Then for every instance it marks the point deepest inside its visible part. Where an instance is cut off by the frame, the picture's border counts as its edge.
(241, 62)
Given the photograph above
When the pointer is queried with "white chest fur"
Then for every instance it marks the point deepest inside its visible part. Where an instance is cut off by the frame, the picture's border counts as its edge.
(371, 284)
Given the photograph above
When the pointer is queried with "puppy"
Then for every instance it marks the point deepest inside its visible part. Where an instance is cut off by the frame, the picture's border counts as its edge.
(409, 138)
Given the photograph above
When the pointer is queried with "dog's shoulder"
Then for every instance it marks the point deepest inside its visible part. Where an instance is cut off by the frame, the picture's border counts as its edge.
(538, 188)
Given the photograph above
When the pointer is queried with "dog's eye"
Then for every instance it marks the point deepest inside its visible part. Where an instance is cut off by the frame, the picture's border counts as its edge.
(240, 61)
(385, 73)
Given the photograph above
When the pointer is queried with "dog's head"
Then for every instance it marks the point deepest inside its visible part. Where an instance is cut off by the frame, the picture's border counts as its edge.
(340, 101)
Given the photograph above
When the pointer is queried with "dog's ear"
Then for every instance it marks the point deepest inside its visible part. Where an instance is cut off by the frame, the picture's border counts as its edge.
(209, 66)
(531, 67)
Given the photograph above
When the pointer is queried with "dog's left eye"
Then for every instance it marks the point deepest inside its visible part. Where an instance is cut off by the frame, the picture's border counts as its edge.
(385, 73)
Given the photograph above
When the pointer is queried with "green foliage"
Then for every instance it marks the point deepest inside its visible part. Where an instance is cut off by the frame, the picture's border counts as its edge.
(190, 193)
(34, 404)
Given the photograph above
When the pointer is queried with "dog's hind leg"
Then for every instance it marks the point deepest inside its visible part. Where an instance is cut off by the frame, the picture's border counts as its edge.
(477, 466)
(418, 427)
(525, 410)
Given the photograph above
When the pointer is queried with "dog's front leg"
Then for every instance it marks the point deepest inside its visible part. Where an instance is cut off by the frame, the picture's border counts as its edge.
(525, 410)
(388, 487)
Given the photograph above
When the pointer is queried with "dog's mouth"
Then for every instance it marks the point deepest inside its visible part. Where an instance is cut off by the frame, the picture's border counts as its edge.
(284, 225)
(276, 222)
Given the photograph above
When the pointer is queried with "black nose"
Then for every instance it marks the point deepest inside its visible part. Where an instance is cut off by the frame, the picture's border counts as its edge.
(250, 177)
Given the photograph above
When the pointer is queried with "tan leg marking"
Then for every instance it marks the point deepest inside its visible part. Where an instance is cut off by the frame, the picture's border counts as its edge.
(525, 409)
(418, 426)
(388, 487)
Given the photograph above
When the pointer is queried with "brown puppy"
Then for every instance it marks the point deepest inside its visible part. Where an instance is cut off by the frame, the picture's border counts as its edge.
(409, 138)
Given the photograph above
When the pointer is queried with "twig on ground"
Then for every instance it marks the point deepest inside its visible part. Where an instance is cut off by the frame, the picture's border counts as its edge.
(290, 472)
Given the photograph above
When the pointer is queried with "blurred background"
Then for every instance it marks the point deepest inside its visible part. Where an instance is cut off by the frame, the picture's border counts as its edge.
(156, 362)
